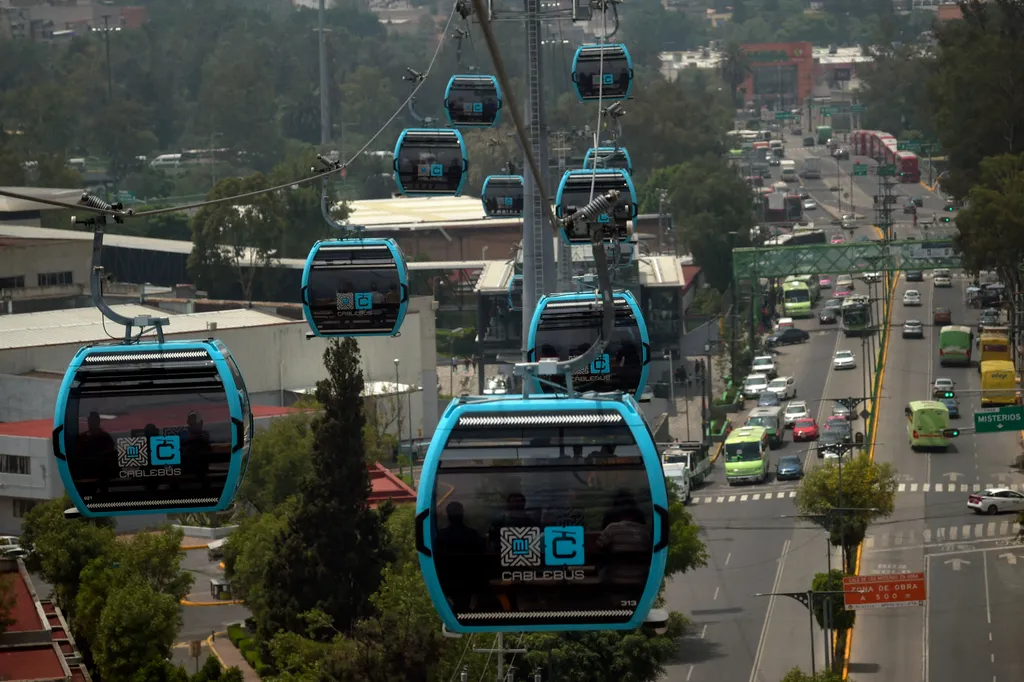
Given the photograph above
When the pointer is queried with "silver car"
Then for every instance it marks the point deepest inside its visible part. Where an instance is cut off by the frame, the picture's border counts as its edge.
(797, 409)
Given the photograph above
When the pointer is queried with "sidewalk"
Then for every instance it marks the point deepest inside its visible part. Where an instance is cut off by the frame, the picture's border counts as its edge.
(231, 657)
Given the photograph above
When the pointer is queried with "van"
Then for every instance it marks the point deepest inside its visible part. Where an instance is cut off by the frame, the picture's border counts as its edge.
(673, 465)
(166, 161)
(771, 420)
(215, 550)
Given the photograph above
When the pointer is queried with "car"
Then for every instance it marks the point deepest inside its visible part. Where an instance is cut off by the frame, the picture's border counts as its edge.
(794, 411)
(910, 208)
(841, 425)
(808, 141)
(810, 204)
(871, 277)
(843, 290)
(942, 282)
(831, 445)
(942, 386)
(785, 323)
(754, 385)
(840, 410)
(989, 317)
(835, 303)
(917, 201)
(804, 192)
(805, 429)
(844, 279)
(942, 272)
(824, 282)
(912, 297)
(828, 316)
(774, 161)
(953, 406)
(844, 359)
(837, 239)
(996, 500)
(784, 387)
(914, 275)
(10, 547)
(646, 397)
(496, 386)
(768, 399)
(764, 364)
(787, 337)
(913, 329)
(942, 316)
(789, 467)
(841, 154)
(848, 222)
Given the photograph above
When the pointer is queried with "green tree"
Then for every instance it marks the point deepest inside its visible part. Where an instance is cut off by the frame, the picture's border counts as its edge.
(990, 229)
(895, 91)
(120, 131)
(332, 554)
(59, 549)
(248, 554)
(866, 485)
(735, 68)
(233, 243)
(138, 624)
(797, 675)
(279, 462)
(686, 551)
(841, 619)
(7, 601)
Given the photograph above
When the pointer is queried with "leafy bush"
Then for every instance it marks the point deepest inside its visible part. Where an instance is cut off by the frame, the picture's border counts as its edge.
(235, 634)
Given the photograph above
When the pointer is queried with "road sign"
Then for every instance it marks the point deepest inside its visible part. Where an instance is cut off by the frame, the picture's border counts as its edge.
(886, 591)
(998, 419)
(857, 108)
(826, 111)
(888, 169)
(860, 169)
(783, 115)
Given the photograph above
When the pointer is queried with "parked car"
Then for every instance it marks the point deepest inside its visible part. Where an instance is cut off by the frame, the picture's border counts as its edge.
(754, 386)
(10, 547)
(786, 337)
(784, 387)
(805, 429)
(764, 364)
(913, 329)
(789, 467)
(943, 316)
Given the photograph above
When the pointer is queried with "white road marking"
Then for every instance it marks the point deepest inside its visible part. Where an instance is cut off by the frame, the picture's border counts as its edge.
(768, 614)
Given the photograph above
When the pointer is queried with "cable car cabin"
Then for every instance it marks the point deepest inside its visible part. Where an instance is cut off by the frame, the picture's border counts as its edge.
(540, 514)
(430, 162)
(152, 428)
(576, 190)
(602, 72)
(608, 157)
(355, 287)
(503, 196)
(515, 293)
(473, 101)
(564, 326)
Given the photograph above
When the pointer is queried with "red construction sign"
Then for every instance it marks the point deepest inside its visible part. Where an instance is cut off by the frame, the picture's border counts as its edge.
(883, 591)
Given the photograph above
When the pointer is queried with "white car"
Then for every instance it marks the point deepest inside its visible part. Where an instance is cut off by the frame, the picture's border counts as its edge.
(912, 297)
(795, 410)
(754, 385)
(810, 204)
(10, 547)
(844, 280)
(647, 396)
(941, 282)
(871, 277)
(784, 387)
(943, 385)
(844, 359)
(764, 364)
(995, 500)
(496, 386)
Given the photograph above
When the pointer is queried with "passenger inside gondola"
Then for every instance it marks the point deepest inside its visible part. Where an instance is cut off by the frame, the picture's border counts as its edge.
(461, 548)
(515, 514)
(94, 441)
(624, 541)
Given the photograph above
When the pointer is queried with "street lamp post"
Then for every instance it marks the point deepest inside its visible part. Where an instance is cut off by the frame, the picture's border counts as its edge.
(451, 352)
(398, 407)
(671, 385)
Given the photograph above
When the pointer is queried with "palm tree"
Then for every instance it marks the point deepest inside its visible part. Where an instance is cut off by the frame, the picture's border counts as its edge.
(735, 67)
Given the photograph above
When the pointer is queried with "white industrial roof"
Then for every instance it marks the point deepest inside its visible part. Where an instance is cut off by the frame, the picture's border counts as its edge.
(86, 325)
(406, 210)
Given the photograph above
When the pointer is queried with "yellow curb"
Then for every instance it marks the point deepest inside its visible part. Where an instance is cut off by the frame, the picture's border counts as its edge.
(225, 602)
(188, 548)
(721, 445)
(213, 650)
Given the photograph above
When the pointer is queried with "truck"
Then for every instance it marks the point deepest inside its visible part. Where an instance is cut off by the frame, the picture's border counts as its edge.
(811, 168)
(788, 167)
(687, 464)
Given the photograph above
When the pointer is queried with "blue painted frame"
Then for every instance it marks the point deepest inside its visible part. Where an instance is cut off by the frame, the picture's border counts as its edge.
(403, 280)
(497, 91)
(632, 417)
(645, 338)
(483, 193)
(590, 174)
(629, 64)
(511, 287)
(588, 159)
(438, 132)
(239, 448)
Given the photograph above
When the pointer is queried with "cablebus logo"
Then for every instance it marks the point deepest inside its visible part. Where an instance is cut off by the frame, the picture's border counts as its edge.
(525, 549)
(138, 455)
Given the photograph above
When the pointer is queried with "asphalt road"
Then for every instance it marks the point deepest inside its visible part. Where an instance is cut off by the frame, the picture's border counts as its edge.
(956, 636)
(757, 546)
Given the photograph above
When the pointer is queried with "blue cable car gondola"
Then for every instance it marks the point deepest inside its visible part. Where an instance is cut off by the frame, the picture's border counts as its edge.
(430, 162)
(602, 72)
(152, 428)
(542, 514)
(502, 196)
(515, 292)
(564, 326)
(355, 287)
(473, 101)
(608, 157)
(575, 191)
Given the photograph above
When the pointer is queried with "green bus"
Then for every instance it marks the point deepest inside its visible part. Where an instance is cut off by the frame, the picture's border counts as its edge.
(796, 299)
(746, 455)
(926, 420)
(856, 314)
(769, 418)
(955, 345)
(824, 134)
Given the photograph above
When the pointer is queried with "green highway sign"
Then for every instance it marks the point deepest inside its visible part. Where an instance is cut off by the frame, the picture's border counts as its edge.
(783, 115)
(999, 419)
(888, 169)
(858, 108)
(826, 111)
(909, 145)
(860, 169)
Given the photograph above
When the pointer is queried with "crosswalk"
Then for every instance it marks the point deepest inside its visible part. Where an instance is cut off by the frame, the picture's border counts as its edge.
(743, 497)
(736, 495)
(955, 487)
(961, 532)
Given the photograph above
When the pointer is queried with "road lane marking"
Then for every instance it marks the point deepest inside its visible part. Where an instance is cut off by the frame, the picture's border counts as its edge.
(743, 498)
(988, 599)
(727, 557)
(768, 614)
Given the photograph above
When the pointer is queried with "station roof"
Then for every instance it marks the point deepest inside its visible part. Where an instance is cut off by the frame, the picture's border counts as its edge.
(655, 271)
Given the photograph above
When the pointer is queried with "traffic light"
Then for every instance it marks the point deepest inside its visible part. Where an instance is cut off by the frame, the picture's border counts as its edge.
(946, 219)
(950, 208)
(948, 394)
(950, 433)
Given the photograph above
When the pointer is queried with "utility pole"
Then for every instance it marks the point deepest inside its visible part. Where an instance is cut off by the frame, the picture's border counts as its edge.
(500, 650)
(325, 111)
(110, 77)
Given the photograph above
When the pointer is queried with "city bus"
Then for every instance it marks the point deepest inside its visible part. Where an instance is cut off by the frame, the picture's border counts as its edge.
(824, 134)
(995, 344)
(856, 315)
(746, 455)
(998, 383)
(926, 420)
(799, 237)
(796, 299)
(812, 283)
(955, 345)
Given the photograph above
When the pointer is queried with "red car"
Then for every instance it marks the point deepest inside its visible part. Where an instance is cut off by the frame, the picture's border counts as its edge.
(838, 239)
(836, 420)
(805, 429)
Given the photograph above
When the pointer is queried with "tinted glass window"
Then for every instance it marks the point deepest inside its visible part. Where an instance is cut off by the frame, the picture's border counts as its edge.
(429, 168)
(608, 78)
(571, 331)
(473, 102)
(503, 197)
(354, 290)
(243, 397)
(543, 520)
(132, 441)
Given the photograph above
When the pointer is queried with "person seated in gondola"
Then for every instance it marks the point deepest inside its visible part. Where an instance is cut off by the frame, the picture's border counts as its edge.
(628, 355)
(515, 515)
(96, 449)
(626, 544)
(196, 449)
(459, 552)
(623, 500)
(391, 297)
